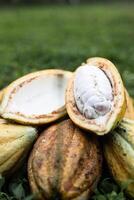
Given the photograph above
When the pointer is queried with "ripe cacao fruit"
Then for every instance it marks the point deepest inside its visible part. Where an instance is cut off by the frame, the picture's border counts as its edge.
(95, 96)
(65, 163)
(119, 154)
(15, 143)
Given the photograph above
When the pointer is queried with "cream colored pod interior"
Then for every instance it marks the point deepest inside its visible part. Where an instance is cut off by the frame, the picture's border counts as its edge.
(95, 97)
(37, 98)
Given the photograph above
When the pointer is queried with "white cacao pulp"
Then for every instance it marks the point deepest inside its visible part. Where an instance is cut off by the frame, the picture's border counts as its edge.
(92, 92)
(41, 96)
(36, 98)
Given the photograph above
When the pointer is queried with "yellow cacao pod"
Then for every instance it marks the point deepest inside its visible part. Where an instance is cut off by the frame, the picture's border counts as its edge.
(119, 154)
(15, 143)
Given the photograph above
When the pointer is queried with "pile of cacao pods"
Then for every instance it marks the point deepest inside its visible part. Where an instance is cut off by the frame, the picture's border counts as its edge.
(73, 110)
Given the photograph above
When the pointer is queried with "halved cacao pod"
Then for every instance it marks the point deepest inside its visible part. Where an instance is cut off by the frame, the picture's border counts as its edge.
(15, 143)
(65, 163)
(37, 98)
(119, 154)
(130, 107)
(95, 96)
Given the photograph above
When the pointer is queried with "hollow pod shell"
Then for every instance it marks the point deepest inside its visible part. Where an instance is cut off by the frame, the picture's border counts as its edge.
(65, 163)
(119, 154)
(15, 143)
(95, 96)
(37, 98)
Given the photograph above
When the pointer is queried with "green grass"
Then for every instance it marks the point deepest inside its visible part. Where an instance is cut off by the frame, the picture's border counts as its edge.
(63, 37)
(35, 38)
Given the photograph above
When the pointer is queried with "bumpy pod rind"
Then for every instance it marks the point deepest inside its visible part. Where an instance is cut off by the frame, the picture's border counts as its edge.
(64, 163)
(119, 154)
(15, 143)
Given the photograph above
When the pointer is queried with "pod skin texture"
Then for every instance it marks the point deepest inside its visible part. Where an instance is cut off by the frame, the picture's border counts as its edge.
(64, 163)
(15, 143)
(1, 94)
(130, 107)
(36, 98)
(119, 102)
(119, 153)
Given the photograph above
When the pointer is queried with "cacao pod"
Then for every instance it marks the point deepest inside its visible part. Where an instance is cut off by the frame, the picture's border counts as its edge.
(65, 163)
(119, 154)
(36, 98)
(95, 96)
(15, 143)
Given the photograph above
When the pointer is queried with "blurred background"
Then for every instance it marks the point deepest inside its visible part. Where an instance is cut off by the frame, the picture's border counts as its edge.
(40, 34)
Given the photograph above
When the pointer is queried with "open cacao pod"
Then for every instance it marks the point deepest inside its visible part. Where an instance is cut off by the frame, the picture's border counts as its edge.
(37, 98)
(65, 163)
(95, 97)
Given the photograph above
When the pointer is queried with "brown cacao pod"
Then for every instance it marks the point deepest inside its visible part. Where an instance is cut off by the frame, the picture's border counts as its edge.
(65, 163)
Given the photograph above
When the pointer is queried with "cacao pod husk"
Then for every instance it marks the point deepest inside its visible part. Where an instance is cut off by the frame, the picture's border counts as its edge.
(65, 163)
(78, 94)
(15, 143)
(119, 154)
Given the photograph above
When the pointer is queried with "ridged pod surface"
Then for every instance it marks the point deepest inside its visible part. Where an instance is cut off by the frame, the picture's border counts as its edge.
(15, 143)
(64, 164)
(95, 96)
(119, 154)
